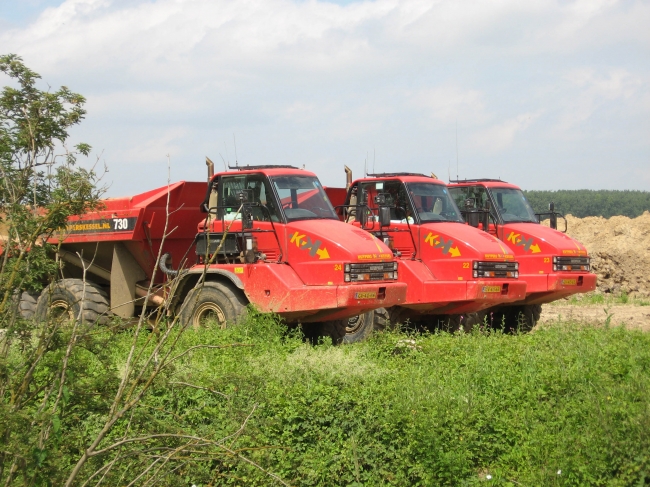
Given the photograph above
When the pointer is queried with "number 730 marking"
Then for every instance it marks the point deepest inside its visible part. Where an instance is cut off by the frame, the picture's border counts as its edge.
(120, 224)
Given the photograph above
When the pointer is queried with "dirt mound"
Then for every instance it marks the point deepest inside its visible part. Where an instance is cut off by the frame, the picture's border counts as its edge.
(620, 251)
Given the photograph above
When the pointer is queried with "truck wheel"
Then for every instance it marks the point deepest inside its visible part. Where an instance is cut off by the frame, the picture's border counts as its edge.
(524, 318)
(359, 327)
(68, 299)
(27, 305)
(381, 319)
(212, 301)
(335, 329)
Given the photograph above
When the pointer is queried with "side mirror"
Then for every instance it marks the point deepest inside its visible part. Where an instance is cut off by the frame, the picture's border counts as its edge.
(553, 217)
(246, 218)
(245, 195)
(362, 215)
(384, 216)
(486, 216)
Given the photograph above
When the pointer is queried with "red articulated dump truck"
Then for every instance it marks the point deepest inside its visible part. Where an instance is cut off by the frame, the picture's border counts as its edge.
(553, 264)
(452, 270)
(267, 235)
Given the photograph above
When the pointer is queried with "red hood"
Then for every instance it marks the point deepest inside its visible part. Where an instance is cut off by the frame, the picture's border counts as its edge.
(341, 241)
(533, 238)
(466, 241)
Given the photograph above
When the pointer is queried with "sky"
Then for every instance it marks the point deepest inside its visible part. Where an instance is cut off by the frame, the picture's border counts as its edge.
(544, 94)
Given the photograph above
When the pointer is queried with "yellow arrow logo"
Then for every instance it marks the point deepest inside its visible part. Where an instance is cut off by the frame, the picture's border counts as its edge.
(513, 237)
(323, 254)
(430, 239)
(535, 249)
(297, 238)
(454, 251)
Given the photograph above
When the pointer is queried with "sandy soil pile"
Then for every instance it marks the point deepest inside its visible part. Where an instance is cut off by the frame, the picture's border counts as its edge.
(620, 251)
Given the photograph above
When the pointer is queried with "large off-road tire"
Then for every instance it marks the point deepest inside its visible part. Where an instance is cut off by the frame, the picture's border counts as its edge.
(27, 305)
(513, 319)
(70, 300)
(524, 318)
(335, 329)
(213, 301)
(359, 327)
(453, 323)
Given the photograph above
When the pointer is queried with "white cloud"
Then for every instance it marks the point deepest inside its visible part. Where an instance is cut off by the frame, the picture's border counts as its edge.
(499, 137)
(316, 82)
(594, 89)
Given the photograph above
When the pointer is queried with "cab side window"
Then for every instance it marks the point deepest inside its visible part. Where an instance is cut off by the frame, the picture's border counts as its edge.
(477, 194)
(259, 193)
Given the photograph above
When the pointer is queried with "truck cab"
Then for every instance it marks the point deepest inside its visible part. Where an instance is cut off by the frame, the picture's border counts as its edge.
(272, 233)
(553, 264)
(450, 268)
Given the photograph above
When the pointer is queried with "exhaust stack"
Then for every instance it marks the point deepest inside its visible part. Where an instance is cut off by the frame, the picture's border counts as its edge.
(210, 165)
(348, 177)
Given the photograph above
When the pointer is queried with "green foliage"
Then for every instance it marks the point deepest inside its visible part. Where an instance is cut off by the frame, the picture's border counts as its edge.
(40, 187)
(586, 202)
(40, 183)
(449, 411)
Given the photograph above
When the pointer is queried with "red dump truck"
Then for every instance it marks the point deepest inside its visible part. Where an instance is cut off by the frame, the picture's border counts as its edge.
(452, 270)
(266, 235)
(553, 264)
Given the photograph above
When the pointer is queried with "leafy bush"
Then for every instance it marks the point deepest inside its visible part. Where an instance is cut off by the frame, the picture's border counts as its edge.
(449, 410)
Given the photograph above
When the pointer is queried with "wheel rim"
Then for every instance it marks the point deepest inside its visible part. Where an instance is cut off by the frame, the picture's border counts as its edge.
(354, 324)
(61, 310)
(208, 311)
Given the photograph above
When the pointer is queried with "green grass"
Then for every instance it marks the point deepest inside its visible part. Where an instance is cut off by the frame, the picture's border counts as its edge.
(564, 405)
(597, 299)
(456, 409)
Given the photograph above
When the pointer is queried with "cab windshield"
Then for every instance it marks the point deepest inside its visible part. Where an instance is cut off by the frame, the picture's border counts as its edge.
(433, 203)
(302, 198)
(512, 205)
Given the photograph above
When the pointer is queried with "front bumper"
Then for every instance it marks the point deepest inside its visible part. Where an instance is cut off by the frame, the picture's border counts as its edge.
(557, 285)
(322, 303)
(451, 297)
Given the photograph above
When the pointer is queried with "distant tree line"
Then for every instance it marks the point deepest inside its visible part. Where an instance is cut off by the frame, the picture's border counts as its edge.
(587, 202)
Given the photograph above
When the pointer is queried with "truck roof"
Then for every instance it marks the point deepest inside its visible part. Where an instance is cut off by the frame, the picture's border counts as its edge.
(405, 177)
(488, 183)
(271, 170)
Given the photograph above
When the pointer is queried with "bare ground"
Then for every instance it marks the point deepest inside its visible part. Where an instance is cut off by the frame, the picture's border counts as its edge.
(628, 315)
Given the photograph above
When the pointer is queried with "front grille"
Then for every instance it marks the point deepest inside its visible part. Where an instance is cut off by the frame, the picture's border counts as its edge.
(371, 271)
(571, 264)
(496, 269)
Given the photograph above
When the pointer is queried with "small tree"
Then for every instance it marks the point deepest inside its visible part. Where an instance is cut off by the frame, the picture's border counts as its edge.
(40, 183)
(40, 187)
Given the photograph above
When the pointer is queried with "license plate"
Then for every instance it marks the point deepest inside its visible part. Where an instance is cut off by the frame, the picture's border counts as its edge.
(569, 282)
(368, 295)
(491, 289)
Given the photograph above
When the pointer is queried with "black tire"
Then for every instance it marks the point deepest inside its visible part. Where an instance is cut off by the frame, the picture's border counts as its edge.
(453, 323)
(499, 319)
(359, 327)
(214, 301)
(27, 305)
(335, 329)
(382, 319)
(524, 318)
(71, 299)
